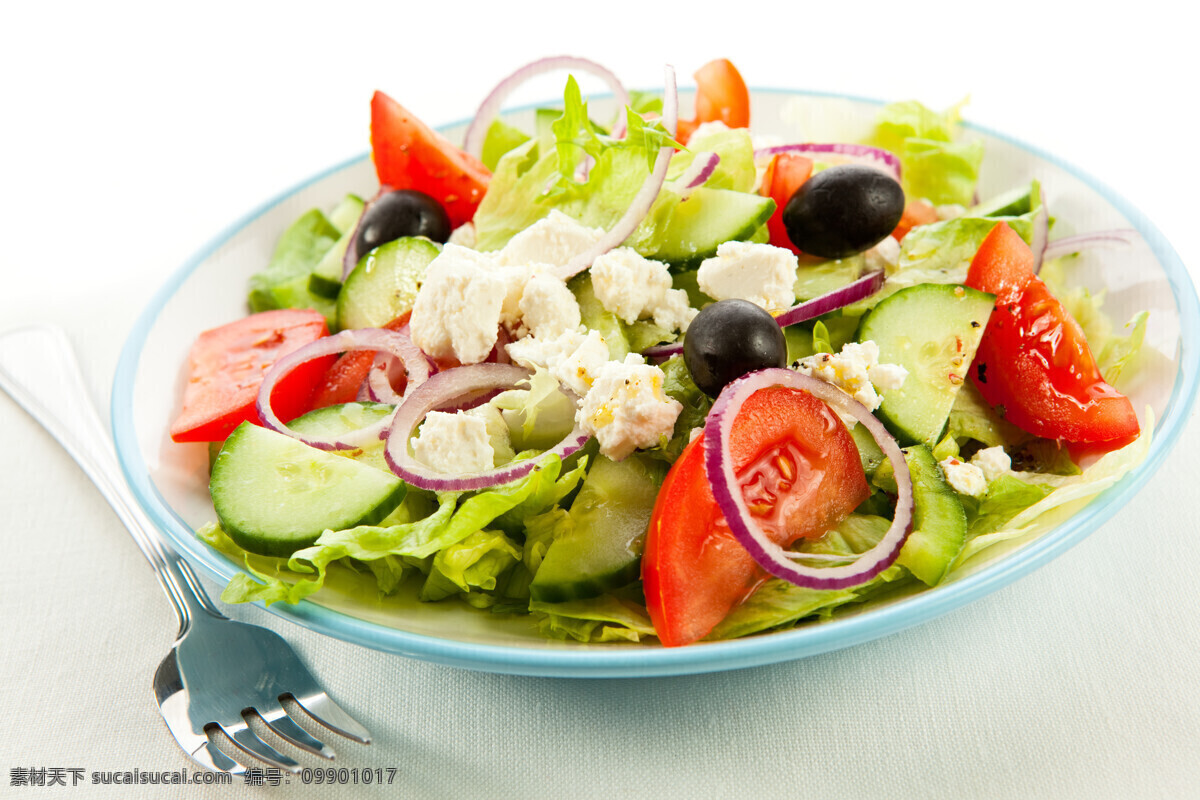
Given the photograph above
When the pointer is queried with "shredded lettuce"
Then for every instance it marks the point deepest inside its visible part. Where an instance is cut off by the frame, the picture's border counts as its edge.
(476, 562)
(607, 618)
(935, 164)
(452, 522)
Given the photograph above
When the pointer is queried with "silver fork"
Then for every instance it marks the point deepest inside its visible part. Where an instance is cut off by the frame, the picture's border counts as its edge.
(220, 674)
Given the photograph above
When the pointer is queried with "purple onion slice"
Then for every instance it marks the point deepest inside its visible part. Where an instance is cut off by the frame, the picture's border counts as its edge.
(637, 210)
(718, 465)
(395, 343)
(441, 391)
(699, 171)
(857, 153)
(477, 131)
(1118, 237)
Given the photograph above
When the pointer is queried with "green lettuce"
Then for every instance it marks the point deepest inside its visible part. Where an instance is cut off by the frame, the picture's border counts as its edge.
(935, 164)
(532, 179)
(505, 507)
(475, 563)
(736, 168)
(778, 603)
(607, 618)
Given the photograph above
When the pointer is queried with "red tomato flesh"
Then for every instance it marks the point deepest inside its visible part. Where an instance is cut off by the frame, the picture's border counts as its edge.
(916, 213)
(226, 367)
(800, 474)
(1034, 360)
(721, 96)
(785, 174)
(410, 155)
(341, 382)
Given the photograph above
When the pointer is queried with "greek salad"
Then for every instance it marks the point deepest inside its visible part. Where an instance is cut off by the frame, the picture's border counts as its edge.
(652, 378)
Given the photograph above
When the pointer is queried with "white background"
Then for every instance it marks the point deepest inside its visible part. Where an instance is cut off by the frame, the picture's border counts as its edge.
(131, 134)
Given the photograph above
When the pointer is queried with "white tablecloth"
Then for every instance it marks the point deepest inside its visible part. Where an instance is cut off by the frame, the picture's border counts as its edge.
(1079, 680)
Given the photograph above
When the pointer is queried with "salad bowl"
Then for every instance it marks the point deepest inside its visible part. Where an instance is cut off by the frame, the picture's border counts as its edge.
(170, 480)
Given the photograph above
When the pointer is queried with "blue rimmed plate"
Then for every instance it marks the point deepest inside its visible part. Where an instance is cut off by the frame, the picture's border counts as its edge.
(170, 480)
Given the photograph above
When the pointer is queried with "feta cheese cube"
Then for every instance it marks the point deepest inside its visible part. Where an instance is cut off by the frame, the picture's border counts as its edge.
(760, 273)
(627, 409)
(457, 311)
(993, 461)
(674, 313)
(578, 371)
(963, 478)
(885, 255)
(454, 443)
(629, 285)
(497, 431)
(555, 240)
(548, 308)
(855, 370)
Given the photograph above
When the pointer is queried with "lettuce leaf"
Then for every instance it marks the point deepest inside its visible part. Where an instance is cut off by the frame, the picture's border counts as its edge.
(601, 619)
(451, 523)
(935, 165)
(474, 563)
(778, 603)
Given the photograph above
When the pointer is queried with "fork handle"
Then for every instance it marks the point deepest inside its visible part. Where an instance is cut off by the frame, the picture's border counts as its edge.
(39, 370)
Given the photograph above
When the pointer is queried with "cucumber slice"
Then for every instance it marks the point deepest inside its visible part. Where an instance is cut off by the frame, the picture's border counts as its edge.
(603, 549)
(385, 282)
(939, 521)
(932, 330)
(275, 495)
(706, 219)
(333, 421)
(345, 215)
(326, 278)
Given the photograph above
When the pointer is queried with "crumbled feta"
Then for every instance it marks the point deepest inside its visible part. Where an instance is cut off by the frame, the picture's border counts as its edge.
(856, 371)
(578, 371)
(463, 235)
(993, 461)
(885, 255)
(555, 240)
(497, 431)
(674, 313)
(573, 358)
(626, 408)
(629, 285)
(548, 307)
(760, 273)
(454, 443)
(963, 478)
(457, 311)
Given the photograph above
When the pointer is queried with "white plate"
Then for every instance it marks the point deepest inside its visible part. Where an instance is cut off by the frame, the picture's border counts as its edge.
(170, 479)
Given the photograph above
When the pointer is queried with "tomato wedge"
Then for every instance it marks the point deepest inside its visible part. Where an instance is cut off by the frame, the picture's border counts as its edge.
(916, 213)
(226, 367)
(410, 155)
(721, 95)
(342, 380)
(1034, 361)
(801, 474)
(785, 174)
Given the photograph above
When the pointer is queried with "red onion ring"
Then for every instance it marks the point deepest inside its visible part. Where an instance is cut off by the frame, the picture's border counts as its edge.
(394, 342)
(699, 171)
(379, 380)
(1041, 237)
(859, 153)
(810, 309)
(645, 197)
(831, 301)
(438, 392)
(350, 259)
(490, 107)
(718, 465)
(1083, 241)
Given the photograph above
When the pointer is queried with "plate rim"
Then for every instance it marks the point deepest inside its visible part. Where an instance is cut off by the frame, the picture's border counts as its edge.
(622, 661)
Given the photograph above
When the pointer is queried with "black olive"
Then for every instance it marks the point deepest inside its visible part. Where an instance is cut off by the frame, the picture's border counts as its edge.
(843, 210)
(404, 212)
(728, 339)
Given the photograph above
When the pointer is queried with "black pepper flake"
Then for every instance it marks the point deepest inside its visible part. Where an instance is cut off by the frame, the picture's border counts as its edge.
(974, 323)
(980, 372)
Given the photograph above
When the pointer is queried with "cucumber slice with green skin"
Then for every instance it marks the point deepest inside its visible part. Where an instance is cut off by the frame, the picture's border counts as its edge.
(706, 219)
(275, 495)
(939, 522)
(932, 330)
(345, 215)
(326, 278)
(609, 517)
(334, 421)
(385, 282)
